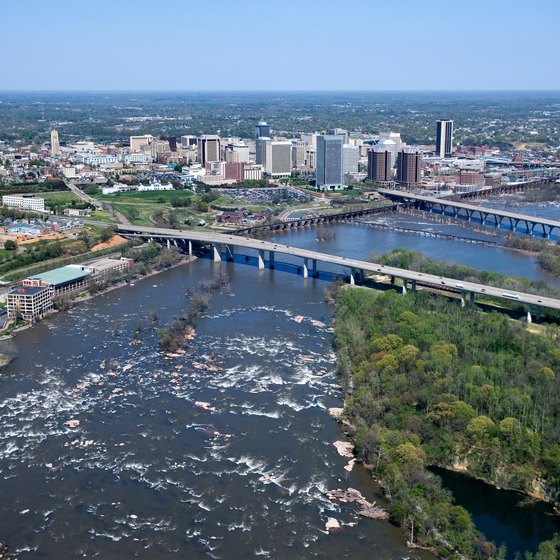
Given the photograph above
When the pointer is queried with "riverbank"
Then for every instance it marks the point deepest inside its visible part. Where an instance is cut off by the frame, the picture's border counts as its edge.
(79, 298)
(418, 393)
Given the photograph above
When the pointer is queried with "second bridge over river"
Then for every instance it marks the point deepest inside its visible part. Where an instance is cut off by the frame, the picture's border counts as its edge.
(224, 246)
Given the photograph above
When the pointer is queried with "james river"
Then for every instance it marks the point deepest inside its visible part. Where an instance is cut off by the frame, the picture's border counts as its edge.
(173, 461)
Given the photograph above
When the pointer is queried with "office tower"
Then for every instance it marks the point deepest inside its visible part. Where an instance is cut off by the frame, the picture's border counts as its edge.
(391, 146)
(310, 158)
(208, 148)
(141, 143)
(350, 159)
(262, 130)
(278, 158)
(298, 154)
(444, 138)
(172, 142)
(260, 149)
(329, 162)
(339, 132)
(396, 138)
(188, 140)
(237, 152)
(55, 145)
(409, 166)
(379, 165)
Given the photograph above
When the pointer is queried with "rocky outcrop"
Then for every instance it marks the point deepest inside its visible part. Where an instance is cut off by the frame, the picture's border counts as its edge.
(352, 496)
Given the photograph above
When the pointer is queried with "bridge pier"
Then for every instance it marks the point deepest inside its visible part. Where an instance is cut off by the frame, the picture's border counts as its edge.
(168, 242)
(404, 285)
(190, 248)
(314, 268)
(352, 279)
(538, 314)
(230, 252)
(529, 317)
(271, 259)
(305, 269)
(463, 295)
(261, 259)
(472, 298)
(413, 282)
(217, 256)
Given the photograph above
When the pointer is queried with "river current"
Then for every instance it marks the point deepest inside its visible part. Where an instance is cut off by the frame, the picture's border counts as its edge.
(225, 452)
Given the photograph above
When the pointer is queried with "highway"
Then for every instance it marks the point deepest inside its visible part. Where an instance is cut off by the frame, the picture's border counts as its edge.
(469, 207)
(452, 284)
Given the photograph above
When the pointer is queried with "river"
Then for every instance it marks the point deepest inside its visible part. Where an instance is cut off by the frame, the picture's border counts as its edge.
(172, 460)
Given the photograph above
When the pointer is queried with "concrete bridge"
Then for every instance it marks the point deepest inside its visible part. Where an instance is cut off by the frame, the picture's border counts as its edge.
(487, 216)
(224, 246)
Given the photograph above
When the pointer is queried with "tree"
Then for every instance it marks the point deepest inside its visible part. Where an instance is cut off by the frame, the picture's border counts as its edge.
(132, 213)
(10, 245)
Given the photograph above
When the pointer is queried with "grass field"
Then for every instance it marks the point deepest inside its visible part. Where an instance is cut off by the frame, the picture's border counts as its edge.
(58, 196)
(151, 197)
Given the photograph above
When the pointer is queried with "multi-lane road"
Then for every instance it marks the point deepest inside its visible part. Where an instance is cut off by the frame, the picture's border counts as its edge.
(353, 265)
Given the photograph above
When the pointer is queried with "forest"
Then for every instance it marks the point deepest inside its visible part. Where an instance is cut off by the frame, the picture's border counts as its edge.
(430, 383)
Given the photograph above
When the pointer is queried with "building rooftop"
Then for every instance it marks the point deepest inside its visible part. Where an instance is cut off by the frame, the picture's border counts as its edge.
(63, 275)
(27, 290)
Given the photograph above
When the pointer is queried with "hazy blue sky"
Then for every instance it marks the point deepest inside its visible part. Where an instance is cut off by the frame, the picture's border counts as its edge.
(280, 44)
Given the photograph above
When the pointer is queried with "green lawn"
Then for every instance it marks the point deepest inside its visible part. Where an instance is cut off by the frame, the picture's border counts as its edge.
(151, 197)
(59, 197)
(101, 216)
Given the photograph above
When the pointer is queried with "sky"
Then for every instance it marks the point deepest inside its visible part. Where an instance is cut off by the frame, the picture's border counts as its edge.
(302, 45)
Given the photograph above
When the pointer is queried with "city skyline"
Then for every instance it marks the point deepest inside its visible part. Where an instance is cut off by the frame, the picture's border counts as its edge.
(71, 47)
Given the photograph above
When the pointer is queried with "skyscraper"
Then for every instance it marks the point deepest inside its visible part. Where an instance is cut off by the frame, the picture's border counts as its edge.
(379, 165)
(55, 145)
(278, 158)
(208, 148)
(262, 130)
(444, 138)
(329, 162)
(409, 166)
(350, 159)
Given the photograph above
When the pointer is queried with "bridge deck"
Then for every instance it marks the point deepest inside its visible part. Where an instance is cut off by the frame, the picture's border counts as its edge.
(352, 264)
(469, 207)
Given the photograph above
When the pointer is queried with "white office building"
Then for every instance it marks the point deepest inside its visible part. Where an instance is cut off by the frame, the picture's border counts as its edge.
(278, 158)
(24, 201)
(350, 159)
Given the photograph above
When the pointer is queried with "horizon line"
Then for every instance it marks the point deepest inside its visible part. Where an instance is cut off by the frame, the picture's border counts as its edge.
(3, 91)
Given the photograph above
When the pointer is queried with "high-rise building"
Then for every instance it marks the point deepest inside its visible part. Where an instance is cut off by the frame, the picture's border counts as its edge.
(379, 165)
(208, 148)
(260, 149)
(141, 143)
(237, 152)
(350, 159)
(298, 154)
(278, 158)
(444, 138)
(55, 145)
(339, 132)
(262, 129)
(391, 146)
(409, 167)
(396, 138)
(329, 162)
